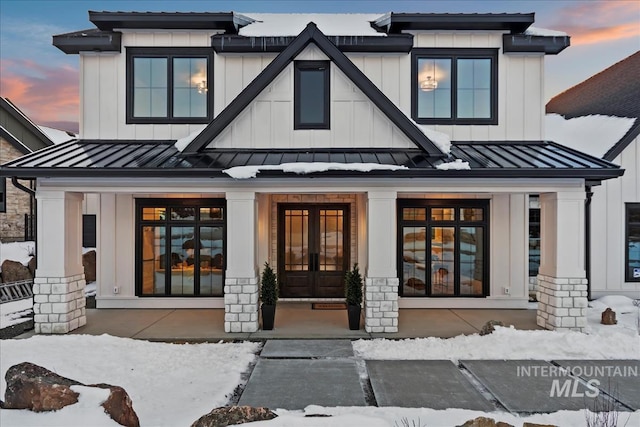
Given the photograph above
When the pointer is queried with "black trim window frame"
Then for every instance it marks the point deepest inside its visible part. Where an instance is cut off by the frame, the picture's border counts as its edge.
(168, 222)
(454, 55)
(301, 100)
(534, 241)
(169, 53)
(632, 229)
(457, 223)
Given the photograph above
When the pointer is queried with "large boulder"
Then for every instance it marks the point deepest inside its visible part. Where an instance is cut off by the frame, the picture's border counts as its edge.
(233, 415)
(485, 422)
(489, 327)
(33, 387)
(89, 264)
(13, 271)
(33, 264)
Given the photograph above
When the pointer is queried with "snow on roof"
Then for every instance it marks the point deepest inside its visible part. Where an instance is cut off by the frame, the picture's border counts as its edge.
(457, 164)
(57, 136)
(182, 143)
(331, 24)
(535, 31)
(440, 139)
(302, 168)
(593, 135)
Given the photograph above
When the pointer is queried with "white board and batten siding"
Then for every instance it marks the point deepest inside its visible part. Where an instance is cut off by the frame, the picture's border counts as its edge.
(103, 88)
(608, 227)
(268, 121)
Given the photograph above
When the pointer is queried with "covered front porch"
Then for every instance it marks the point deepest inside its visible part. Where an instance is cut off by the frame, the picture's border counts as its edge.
(294, 320)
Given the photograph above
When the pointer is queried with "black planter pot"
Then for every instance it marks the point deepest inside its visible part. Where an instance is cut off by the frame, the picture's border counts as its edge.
(268, 315)
(353, 311)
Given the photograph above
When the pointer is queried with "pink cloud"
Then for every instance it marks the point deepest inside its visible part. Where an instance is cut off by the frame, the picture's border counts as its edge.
(599, 22)
(45, 93)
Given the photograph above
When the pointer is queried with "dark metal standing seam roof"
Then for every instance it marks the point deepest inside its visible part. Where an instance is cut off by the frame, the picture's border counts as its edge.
(143, 158)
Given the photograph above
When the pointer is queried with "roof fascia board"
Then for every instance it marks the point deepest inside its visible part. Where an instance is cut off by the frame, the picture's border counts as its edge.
(395, 43)
(14, 141)
(168, 20)
(398, 22)
(524, 43)
(102, 41)
(17, 114)
(620, 146)
(587, 174)
(312, 34)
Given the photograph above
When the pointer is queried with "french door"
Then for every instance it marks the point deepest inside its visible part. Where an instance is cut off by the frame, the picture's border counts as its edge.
(313, 250)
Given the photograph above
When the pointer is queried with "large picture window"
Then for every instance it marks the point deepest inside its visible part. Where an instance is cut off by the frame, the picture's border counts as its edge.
(632, 242)
(311, 95)
(454, 86)
(443, 248)
(180, 247)
(168, 85)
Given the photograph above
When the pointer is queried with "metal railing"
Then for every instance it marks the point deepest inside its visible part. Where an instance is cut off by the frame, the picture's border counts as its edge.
(16, 291)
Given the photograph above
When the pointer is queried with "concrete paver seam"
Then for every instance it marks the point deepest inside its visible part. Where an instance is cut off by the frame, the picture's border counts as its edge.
(365, 382)
(482, 389)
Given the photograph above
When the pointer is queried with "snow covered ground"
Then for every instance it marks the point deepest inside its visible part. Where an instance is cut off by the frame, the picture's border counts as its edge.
(172, 384)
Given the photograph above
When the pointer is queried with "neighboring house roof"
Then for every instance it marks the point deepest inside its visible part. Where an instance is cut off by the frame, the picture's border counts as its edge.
(311, 34)
(137, 158)
(612, 92)
(58, 136)
(19, 130)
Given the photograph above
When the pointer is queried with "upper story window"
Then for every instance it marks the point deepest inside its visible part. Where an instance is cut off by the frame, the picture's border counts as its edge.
(311, 95)
(169, 85)
(454, 86)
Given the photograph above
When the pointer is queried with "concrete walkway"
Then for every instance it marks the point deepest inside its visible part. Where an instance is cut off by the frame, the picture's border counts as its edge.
(292, 374)
(293, 320)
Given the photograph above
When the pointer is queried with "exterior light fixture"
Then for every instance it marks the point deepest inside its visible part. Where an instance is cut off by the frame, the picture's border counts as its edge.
(428, 84)
(202, 87)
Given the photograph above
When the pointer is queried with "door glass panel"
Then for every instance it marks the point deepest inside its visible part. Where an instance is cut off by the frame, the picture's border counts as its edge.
(296, 240)
(442, 260)
(183, 247)
(471, 260)
(153, 260)
(331, 240)
(211, 260)
(414, 240)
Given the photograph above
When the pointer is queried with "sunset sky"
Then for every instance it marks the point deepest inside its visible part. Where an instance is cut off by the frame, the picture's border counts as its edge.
(43, 81)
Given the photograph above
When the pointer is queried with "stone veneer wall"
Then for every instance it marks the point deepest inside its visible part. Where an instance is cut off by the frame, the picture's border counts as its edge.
(241, 304)
(59, 304)
(562, 303)
(381, 304)
(17, 201)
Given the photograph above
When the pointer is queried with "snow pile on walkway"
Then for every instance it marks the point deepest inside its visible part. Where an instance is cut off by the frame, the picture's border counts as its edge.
(169, 384)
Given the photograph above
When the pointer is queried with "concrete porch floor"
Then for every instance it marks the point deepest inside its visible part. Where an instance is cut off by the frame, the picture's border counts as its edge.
(293, 321)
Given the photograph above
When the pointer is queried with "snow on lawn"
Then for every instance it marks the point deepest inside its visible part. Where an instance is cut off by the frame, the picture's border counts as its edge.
(621, 341)
(14, 312)
(169, 384)
(17, 251)
(395, 417)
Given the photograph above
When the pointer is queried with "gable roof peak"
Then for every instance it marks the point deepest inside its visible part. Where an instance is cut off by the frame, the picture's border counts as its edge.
(312, 33)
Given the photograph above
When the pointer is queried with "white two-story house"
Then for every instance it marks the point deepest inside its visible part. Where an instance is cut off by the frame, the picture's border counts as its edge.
(406, 143)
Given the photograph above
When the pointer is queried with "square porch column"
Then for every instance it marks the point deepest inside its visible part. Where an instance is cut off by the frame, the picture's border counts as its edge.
(58, 289)
(381, 282)
(562, 282)
(241, 279)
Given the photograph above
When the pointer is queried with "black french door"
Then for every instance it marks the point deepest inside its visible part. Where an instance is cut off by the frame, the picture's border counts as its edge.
(313, 250)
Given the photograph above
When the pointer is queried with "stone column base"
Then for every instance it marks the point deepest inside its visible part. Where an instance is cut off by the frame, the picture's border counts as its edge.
(241, 304)
(381, 304)
(59, 304)
(562, 303)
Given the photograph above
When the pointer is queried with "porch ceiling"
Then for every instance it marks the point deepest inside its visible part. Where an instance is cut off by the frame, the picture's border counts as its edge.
(145, 158)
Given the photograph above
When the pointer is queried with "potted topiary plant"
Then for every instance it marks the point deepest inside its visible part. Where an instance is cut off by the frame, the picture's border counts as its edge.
(353, 295)
(268, 296)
